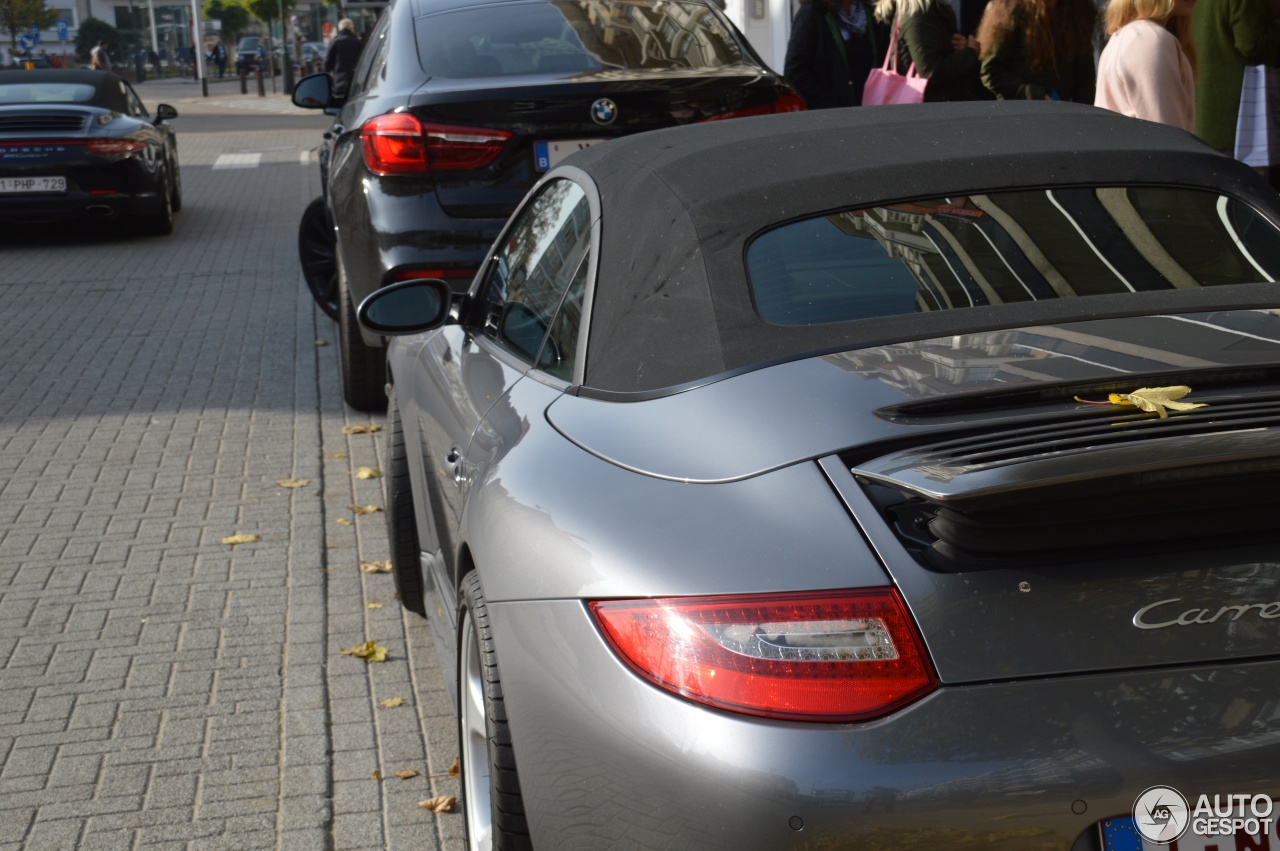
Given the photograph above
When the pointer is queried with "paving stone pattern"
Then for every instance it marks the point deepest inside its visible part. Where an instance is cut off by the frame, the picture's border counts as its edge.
(158, 688)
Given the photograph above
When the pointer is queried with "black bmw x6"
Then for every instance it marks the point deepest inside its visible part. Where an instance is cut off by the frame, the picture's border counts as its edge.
(457, 107)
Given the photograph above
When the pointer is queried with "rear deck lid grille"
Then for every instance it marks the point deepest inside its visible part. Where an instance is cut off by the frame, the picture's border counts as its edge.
(49, 122)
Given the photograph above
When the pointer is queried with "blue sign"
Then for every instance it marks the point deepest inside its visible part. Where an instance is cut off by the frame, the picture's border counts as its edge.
(27, 42)
(62, 30)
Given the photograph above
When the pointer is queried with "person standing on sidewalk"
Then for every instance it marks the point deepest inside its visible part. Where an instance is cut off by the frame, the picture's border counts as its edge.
(1148, 68)
(98, 58)
(219, 56)
(344, 53)
(831, 52)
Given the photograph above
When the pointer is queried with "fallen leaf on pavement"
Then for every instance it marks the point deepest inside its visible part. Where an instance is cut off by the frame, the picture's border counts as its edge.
(453, 769)
(405, 775)
(241, 539)
(322, 342)
(374, 606)
(370, 651)
(366, 509)
(376, 566)
(293, 483)
(368, 473)
(377, 775)
(339, 455)
(391, 702)
(439, 804)
(342, 521)
(361, 429)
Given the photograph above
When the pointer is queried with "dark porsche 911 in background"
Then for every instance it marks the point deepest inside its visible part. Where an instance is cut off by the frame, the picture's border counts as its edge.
(767, 508)
(458, 106)
(80, 145)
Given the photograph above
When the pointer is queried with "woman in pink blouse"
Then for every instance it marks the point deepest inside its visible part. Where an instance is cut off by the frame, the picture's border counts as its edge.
(1148, 68)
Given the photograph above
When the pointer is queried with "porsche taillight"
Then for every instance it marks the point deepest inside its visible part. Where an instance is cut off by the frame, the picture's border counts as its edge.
(785, 102)
(115, 146)
(818, 656)
(398, 143)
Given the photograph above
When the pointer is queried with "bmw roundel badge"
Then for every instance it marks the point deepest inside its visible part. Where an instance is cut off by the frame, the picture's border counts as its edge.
(604, 111)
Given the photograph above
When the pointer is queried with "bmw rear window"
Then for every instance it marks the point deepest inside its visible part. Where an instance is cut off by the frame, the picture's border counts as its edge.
(563, 37)
(958, 252)
(46, 93)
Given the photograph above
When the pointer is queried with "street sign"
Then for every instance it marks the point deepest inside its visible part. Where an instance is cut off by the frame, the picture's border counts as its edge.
(62, 30)
(27, 42)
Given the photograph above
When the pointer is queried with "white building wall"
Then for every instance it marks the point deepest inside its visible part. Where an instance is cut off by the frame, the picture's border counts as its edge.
(766, 24)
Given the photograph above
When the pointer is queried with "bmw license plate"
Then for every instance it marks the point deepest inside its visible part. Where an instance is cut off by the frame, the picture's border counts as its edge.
(548, 154)
(14, 185)
(1121, 834)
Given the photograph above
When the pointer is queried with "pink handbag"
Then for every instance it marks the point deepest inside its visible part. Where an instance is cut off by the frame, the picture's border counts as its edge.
(885, 85)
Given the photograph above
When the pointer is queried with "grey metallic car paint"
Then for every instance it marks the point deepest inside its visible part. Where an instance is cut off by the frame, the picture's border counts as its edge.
(608, 761)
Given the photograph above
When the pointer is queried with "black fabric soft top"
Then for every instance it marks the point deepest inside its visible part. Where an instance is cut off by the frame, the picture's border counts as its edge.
(108, 87)
(679, 207)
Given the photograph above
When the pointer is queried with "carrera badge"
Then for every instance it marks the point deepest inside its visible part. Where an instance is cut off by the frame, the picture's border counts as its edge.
(604, 111)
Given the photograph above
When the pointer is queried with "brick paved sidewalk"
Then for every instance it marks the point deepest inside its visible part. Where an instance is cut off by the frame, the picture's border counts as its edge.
(159, 688)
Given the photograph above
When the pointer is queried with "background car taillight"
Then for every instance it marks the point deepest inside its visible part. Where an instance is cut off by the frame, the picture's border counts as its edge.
(785, 102)
(399, 143)
(115, 146)
(821, 656)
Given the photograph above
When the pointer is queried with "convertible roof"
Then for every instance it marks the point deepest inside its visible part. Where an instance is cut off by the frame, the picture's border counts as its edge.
(679, 206)
(109, 87)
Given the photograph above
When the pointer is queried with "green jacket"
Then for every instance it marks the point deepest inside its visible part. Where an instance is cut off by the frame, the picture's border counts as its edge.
(925, 39)
(1229, 34)
(1006, 69)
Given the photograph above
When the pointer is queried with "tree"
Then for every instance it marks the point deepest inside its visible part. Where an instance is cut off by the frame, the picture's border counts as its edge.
(232, 13)
(94, 30)
(19, 16)
(265, 10)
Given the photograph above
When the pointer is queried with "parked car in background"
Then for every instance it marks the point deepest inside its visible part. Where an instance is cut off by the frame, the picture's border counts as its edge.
(247, 54)
(80, 144)
(457, 108)
(753, 491)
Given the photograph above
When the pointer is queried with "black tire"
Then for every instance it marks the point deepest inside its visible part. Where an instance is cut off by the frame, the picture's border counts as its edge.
(402, 529)
(161, 223)
(316, 253)
(493, 807)
(175, 188)
(364, 368)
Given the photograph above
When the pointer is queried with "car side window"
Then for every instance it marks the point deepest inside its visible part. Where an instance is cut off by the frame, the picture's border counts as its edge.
(560, 348)
(529, 274)
(375, 47)
(136, 109)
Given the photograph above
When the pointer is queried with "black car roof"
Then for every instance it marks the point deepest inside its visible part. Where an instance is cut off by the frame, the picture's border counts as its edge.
(679, 207)
(109, 87)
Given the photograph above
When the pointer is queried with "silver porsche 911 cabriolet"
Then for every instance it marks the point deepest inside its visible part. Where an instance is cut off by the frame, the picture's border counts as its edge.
(899, 478)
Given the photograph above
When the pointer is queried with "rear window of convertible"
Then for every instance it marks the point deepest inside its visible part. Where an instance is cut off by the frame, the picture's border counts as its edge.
(574, 36)
(950, 253)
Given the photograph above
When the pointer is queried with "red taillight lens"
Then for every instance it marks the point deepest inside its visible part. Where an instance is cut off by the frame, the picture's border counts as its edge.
(821, 656)
(393, 144)
(399, 143)
(785, 102)
(115, 146)
(462, 274)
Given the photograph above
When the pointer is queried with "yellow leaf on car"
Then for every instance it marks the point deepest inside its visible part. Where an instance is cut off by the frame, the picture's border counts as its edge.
(361, 429)
(366, 509)
(439, 804)
(293, 483)
(391, 702)
(376, 566)
(241, 539)
(1157, 399)
(370, 651)
(406, 774)
(342, 521)
(368, 473)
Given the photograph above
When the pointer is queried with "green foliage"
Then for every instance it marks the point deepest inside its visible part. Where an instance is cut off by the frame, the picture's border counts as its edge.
(94, 30)
(18, 16)
(232, 13)
(265, 10)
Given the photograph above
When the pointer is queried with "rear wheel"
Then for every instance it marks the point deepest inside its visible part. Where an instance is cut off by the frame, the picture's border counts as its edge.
(175, 186)
(160, 223)
(402, 531)
(492, 804)
(364, 368)
(316, 253)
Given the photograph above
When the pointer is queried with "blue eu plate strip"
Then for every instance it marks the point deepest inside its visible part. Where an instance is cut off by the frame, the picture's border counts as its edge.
(1120, 834)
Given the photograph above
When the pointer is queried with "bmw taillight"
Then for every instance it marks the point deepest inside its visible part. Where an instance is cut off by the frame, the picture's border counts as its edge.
(115, 146)
(398, 143)
(458, 278)
(816, 656)
(785, 102)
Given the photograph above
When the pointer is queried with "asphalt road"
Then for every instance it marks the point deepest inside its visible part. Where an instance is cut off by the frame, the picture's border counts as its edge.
(158, 687)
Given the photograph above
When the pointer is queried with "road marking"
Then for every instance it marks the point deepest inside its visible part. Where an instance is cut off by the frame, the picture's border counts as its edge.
(304, 158)
(237, 161)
